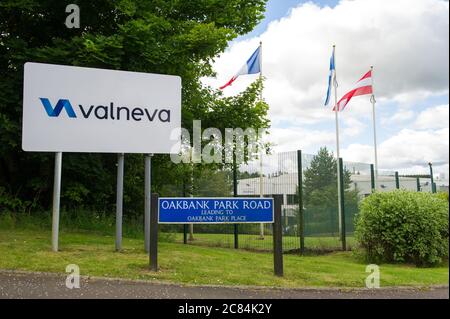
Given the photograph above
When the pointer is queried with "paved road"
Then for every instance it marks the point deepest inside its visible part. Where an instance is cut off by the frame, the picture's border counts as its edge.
(34, 285)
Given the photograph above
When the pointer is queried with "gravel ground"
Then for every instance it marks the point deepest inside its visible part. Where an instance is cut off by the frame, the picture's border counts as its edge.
(42, 285)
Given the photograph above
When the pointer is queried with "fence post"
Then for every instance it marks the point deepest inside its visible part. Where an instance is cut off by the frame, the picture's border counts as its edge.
(372, 178)
(235, 194)
(341, 173)
(301, 225)
(418, 184)
(397, 181)
(433, 185)
(277, 238)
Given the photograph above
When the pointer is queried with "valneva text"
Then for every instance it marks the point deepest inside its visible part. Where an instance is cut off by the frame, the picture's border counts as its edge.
(109, 112)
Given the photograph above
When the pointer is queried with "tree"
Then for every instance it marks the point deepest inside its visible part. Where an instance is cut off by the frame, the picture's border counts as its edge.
(214, 183)
(158, 36)
(320, 194)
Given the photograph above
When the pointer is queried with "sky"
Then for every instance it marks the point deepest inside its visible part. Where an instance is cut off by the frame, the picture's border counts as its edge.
(406, 41)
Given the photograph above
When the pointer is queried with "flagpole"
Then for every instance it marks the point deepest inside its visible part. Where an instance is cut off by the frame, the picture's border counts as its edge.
(261, 179)
(336, 112)
(372, 99)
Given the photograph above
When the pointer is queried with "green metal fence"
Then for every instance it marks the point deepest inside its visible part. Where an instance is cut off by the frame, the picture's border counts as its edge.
(311, 219)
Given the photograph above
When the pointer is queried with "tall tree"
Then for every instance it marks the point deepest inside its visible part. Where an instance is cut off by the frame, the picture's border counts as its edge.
(320, 194)
(158, 36)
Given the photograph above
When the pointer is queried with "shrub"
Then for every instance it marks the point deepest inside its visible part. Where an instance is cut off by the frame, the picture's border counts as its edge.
(442, 195)
(403, 226)
(10, 203)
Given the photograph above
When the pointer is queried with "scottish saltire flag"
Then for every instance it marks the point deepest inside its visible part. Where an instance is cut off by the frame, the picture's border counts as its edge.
(252, 66)
(362, 87)
(330, 78)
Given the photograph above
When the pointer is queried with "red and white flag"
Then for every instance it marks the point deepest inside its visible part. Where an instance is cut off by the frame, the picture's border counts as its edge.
(362, 87)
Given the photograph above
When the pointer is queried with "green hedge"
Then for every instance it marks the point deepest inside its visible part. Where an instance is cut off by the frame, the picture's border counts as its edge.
(403, 226)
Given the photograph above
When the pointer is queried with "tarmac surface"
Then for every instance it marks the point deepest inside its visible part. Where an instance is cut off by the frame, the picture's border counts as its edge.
(19, 285)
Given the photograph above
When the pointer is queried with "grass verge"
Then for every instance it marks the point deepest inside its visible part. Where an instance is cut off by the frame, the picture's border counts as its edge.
(94, 254)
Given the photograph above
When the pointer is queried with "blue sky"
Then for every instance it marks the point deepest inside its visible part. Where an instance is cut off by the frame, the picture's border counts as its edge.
(407, 42)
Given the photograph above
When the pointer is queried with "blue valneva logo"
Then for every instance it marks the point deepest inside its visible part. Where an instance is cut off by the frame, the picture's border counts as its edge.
(110, 112)
(55, 111)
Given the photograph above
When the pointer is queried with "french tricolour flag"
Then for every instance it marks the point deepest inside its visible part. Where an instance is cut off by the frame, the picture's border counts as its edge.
(362, 87)
(252, 66)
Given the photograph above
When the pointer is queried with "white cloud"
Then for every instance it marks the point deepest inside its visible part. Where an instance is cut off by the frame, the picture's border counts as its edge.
(408, 148)
(359, 153)
(352, 127)
(406, 41)
(399, 117)
(296, 138)
(433, 118)
(408, 47)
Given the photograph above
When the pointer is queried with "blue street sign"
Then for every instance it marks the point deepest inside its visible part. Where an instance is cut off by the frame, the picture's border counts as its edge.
(215, 210)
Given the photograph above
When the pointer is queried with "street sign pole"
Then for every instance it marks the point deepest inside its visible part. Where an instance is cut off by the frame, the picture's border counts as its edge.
(277, 238)
(153, 249)
(119, 200)
(56, 201)
(148, 190)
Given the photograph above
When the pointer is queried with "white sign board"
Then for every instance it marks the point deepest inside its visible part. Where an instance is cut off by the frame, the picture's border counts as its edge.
(76, 109)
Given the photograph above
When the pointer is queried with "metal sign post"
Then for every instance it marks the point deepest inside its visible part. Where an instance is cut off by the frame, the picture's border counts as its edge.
(148, 192)
(119, 200)
(277, 239)
(153, 249)
(56, 199)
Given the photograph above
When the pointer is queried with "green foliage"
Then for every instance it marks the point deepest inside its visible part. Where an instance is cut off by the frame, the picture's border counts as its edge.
(320, 195)
(442, 195)
(80, 221)
(10, 203)
(245, 175)
(403, 226)
(157, 36)
(214, 184)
